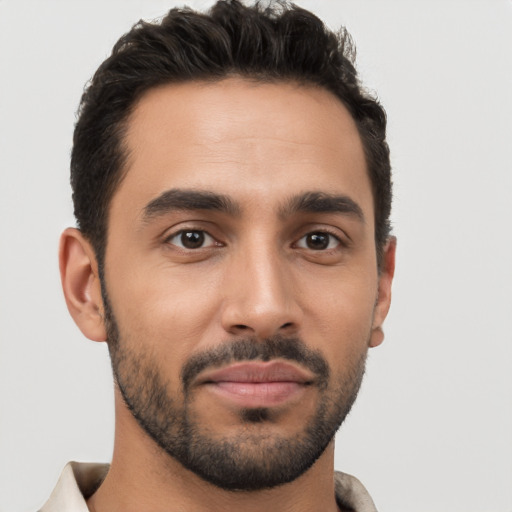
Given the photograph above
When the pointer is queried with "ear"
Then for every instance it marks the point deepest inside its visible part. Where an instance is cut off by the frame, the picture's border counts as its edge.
(384, 293)
(81, 284)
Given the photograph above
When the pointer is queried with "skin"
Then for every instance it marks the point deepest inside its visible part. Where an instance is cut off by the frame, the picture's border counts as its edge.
(260, 145)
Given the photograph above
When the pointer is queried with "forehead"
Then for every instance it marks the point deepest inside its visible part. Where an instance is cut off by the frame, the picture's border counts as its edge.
(257, 141)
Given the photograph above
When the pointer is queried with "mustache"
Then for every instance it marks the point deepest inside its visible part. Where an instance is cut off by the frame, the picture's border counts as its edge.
(252, 349)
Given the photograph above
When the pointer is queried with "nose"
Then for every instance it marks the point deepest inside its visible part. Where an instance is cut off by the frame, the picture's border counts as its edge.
(261, 297)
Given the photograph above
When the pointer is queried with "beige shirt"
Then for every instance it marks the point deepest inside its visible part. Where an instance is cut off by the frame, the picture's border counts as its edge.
(78, 481)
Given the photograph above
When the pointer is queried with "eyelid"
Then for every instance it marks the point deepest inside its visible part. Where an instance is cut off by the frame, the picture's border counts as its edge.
(339, 242)
(337, 233)
(175, 234)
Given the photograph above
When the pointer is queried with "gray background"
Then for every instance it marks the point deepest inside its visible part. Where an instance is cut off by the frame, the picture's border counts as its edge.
(432, 429)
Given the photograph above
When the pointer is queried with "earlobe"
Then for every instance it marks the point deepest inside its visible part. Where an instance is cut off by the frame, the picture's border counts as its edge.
(81, 284)
(384, 293)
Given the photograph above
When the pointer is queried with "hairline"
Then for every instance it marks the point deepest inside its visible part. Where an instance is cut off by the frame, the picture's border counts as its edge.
(124, 152)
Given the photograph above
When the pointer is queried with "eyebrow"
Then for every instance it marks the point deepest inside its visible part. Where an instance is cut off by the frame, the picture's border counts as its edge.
(188, 200)
(192, 200)
(321, 202)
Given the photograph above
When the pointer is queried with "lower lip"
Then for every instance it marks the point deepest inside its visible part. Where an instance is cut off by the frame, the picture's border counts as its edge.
(257, 394)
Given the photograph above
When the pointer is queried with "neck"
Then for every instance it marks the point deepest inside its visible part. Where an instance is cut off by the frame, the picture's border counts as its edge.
(143, 478)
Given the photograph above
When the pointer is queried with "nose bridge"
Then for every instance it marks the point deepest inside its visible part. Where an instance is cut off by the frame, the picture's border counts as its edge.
(260, 296)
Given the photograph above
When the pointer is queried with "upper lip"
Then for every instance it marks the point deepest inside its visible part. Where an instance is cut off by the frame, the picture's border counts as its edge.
(257, 372)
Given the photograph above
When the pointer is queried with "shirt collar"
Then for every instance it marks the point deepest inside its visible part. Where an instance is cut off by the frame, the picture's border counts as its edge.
(78, 481)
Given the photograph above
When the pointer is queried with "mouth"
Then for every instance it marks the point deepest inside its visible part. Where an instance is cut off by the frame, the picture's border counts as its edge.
(257, 384)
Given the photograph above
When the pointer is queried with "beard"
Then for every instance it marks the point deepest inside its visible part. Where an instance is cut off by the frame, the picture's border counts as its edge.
(255, 458)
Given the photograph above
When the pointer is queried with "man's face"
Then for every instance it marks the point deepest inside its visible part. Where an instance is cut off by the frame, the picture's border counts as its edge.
(240, 276)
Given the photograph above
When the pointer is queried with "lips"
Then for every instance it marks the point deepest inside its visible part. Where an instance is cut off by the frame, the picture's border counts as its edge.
(257, 384)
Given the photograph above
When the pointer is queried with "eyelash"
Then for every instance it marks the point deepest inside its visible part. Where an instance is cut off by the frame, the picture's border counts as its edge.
(203, 233)
(214, 243)
(323, 232)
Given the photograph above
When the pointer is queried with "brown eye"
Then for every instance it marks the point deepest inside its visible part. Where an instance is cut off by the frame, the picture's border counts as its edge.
(318, 241)
(191, 239)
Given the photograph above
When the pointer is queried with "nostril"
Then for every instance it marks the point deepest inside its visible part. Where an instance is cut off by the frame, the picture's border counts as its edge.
(241, 327)
(287, 324)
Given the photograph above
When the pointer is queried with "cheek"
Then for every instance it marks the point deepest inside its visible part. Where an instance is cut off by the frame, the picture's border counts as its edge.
(164, 309)
(341, 314)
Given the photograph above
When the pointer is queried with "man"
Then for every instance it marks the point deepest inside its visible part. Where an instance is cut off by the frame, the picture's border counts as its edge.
(232, 190)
